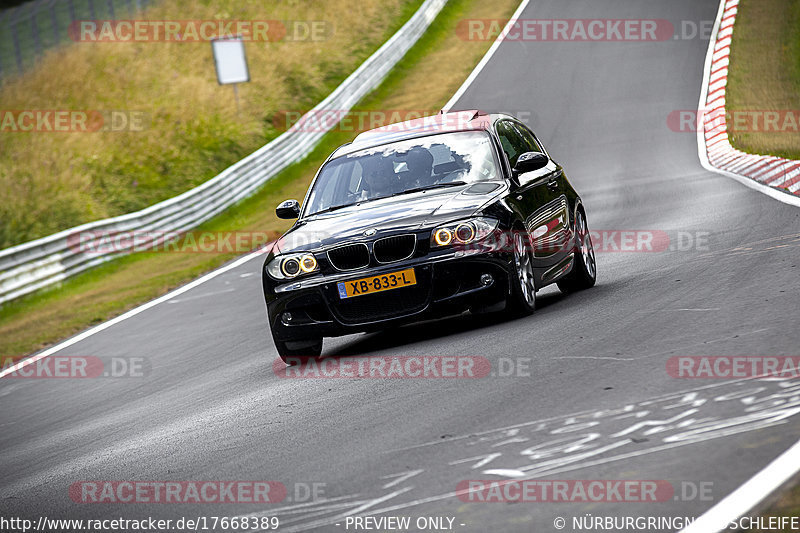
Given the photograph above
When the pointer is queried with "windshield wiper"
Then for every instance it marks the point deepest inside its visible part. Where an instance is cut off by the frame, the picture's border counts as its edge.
(430, 187)
(331, 208)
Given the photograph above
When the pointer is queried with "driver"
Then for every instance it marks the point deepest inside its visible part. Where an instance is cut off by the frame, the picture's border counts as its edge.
(379, 178)
(420, 167)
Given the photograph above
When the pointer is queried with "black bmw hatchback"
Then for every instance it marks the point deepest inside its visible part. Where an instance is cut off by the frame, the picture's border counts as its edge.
(430, 217)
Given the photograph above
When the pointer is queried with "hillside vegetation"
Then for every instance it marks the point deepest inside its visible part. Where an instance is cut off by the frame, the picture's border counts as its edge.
(190, 130)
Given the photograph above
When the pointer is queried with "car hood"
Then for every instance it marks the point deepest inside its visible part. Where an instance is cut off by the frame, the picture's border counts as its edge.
(411, 212)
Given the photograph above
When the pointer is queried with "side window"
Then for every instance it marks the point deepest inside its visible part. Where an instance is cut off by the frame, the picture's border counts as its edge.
(326, 195)
(513, 143)
(340, 187)
(355, 179)
(530, 140)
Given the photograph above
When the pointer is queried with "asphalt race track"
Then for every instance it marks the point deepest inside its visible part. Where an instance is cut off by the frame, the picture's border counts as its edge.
(596, 402)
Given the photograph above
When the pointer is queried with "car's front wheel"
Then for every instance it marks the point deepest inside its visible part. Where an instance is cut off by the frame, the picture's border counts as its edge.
(584, 268)
(291, 351)
(522, 300)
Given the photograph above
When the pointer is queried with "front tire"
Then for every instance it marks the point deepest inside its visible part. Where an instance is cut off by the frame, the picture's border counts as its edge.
(289, 352)
(522, 300)
(584, 268)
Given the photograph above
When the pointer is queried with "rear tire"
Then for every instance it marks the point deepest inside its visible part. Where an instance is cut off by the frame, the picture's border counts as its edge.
(522, 300)
(584, 267)
(291, 352)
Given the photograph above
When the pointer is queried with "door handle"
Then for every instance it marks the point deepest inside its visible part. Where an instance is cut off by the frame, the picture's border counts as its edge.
(552, 184)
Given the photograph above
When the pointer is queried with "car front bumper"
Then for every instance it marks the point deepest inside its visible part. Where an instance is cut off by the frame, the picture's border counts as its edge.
(445, 285)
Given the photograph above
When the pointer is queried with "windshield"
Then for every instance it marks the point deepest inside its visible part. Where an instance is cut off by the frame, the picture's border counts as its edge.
(444, 160)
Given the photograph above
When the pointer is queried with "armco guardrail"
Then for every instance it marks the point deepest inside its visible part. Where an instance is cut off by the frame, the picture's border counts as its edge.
(32, 265)
(27, 30)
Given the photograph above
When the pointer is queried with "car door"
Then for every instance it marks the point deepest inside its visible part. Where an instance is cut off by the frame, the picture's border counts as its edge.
(539, 197)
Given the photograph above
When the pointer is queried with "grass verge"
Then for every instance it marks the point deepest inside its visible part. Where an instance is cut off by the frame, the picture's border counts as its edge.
(788, 505)
(764, 75)
(426, 78)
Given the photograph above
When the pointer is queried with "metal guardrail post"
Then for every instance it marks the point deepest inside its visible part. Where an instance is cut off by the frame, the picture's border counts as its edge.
(54, 24)
(17, 51)
(37, 41)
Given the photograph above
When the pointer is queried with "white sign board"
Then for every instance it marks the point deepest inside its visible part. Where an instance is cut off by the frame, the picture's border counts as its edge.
(230, 61)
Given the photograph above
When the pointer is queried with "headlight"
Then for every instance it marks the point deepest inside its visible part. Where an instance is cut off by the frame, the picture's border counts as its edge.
(291, 266)
(463, 232)
(443, 236)
(308, 263)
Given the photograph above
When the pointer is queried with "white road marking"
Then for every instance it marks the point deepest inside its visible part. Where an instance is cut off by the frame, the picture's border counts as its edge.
(505, 472)
(557, 417)
(485, 59)
(565, 466)
(133, 312)
(484, 460)
(748, 495)
(399, 478)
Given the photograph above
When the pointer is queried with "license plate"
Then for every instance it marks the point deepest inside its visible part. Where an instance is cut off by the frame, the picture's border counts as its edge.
(384, 282)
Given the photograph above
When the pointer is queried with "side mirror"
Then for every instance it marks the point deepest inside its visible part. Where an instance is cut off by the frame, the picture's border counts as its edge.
(530, 161)
(288, 209)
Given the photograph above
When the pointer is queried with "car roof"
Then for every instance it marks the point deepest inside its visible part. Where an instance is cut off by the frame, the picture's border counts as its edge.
(443, 122)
